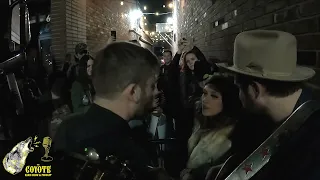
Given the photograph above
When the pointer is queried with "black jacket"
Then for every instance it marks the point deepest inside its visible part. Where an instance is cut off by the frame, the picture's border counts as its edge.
(169, 84)
(297, 159)
(105, 131)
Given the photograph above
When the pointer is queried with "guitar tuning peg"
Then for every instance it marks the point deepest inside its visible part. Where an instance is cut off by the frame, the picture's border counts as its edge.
(92, 154)
(111, 159)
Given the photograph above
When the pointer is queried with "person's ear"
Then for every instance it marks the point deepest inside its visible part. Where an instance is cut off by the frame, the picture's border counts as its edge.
(256, 90)
(133, 92)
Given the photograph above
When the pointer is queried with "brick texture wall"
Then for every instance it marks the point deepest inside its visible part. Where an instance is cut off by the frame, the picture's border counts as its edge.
(58, 32)
(214, 24)
(104, 16)
(75, 23)
(89, 21)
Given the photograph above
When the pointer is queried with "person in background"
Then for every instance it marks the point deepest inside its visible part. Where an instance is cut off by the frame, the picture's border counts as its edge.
(217, 114)
(80, 50)
(66, 63)
(182, 128)
(198, 69)
(168, 85)
(194, 69)
(53, 105)
(82, 90)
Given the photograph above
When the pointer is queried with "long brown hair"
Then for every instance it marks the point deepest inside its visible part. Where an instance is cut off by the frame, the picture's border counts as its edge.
(83, 76)
(230, 100)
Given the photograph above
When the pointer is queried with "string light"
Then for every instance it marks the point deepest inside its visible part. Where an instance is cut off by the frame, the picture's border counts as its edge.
(158, 14)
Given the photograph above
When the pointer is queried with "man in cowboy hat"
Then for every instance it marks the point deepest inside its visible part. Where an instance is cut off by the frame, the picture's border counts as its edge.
(271, 83)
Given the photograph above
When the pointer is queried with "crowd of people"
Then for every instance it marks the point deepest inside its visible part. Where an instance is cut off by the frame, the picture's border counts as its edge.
(218, 120)
(212, 110)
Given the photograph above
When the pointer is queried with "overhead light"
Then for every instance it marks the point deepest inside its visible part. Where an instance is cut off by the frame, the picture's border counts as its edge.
(144, 17)
(170, 5)
(157, 14)
(134, 15)
(145, 24)
(121, 3)
(164, 6)
(170, 20)
(145, 7)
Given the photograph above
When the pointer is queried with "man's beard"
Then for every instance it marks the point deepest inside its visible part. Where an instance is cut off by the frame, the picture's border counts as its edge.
(145, 106)
(252, 107)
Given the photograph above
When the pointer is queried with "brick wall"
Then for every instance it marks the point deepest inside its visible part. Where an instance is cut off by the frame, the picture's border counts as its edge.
(104, 16)
(75, 23)
(214, 24)
(58, 32)
(68, 27)
(88, 21)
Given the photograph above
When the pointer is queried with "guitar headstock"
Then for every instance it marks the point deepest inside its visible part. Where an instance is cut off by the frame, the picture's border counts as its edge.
(90, 165)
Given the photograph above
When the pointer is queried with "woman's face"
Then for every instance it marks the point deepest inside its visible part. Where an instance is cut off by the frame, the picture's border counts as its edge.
(89, 67)
(190, 60)
(211, 101)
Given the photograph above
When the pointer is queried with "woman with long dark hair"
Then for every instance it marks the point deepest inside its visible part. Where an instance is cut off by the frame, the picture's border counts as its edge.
(217, 114)
(82, 89)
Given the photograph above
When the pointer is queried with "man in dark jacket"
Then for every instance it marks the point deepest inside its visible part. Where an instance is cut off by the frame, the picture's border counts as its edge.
(270, 83)
(120, 95)
(169, 84)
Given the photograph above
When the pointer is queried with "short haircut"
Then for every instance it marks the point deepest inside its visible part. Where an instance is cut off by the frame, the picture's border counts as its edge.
(168, 51)
(120, 64)
(135, 42)
(273, 87)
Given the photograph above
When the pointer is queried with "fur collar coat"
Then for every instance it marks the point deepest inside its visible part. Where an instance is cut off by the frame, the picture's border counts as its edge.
(208, 145)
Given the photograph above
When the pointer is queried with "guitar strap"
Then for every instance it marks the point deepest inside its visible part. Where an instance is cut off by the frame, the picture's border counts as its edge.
(261, 156)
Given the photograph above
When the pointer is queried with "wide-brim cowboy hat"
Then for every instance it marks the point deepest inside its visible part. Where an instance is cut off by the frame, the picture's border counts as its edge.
(268, 55)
